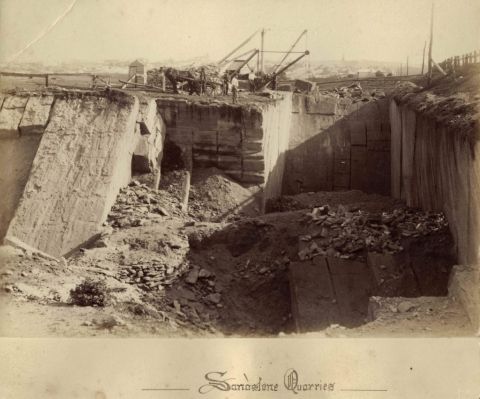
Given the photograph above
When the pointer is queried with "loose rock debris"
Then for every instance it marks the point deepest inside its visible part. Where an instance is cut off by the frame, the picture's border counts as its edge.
(347, 234)
(171, 272)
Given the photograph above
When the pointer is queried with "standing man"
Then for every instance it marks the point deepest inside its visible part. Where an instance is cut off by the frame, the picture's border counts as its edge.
(203, 81)
(251, 81)
(234, 89)
(225, 83)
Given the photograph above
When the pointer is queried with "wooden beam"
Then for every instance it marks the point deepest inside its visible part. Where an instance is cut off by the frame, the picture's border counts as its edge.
(128, 81)
(439, 67)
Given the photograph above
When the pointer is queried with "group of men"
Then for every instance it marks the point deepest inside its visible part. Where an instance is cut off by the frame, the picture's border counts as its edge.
(197, 83)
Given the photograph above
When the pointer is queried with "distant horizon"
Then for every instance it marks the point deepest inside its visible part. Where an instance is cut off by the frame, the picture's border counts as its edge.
(62, 31)
(209, 61)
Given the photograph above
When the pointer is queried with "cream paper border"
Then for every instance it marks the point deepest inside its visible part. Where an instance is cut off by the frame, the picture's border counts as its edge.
(407, 368)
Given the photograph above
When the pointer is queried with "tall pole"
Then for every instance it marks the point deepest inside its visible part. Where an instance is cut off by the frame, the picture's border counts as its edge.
(430, 47)
(261, 49)
(407, 65)
(401, 69)
(423, 57)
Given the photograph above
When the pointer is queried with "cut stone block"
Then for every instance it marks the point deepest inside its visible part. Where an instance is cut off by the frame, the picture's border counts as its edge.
(314, 305)
(36, 114)
(11, 115)
(464, 286)
(150, 133)
(353, 284)
(84, 158)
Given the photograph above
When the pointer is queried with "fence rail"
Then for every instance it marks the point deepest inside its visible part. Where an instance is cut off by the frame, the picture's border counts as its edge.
(95, 80)
(458, 61)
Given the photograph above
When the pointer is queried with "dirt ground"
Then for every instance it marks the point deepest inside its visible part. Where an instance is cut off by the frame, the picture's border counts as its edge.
(199, 273)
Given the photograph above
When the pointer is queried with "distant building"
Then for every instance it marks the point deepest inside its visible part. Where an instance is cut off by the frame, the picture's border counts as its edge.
(137, 68)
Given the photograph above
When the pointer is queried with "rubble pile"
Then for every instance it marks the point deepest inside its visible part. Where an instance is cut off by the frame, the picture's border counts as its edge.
(195, 300)
(355, 92)
(150, 276)
(214, 197)
(138, 204)
(348, 234)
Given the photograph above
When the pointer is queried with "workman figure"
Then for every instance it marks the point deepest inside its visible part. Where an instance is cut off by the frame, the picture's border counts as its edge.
(251, 81)
(203, 81)
(234, 90)
(225, 84)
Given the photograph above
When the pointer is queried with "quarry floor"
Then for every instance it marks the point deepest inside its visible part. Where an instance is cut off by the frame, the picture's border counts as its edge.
(220, 269)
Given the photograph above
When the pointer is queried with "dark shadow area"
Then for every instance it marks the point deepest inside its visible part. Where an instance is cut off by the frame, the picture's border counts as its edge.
(266, 288)
(15, 165)
(351, 153)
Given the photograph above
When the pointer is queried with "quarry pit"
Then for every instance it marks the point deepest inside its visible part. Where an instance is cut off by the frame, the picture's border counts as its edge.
(330, 213)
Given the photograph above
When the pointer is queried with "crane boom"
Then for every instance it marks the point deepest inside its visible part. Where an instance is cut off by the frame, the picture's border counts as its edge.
(290, 50)
(238, 48)
(255, 52)
(274, 75)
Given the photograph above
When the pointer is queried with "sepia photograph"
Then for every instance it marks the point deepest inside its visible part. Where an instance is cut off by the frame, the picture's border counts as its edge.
(193, 171)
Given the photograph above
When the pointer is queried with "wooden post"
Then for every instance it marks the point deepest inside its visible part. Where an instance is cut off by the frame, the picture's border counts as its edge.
(423, 57)
(430, 46)
(407, 65)
(46, 80)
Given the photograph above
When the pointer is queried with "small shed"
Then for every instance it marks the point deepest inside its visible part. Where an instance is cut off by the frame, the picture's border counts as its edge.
(137, 68)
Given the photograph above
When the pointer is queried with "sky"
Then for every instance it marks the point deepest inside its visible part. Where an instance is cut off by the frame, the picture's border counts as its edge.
(155, 30)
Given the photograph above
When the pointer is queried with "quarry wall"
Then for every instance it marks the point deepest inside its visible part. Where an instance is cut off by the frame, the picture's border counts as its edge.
(437, 167)
(64, 158)
(247, 142)
(338, 144)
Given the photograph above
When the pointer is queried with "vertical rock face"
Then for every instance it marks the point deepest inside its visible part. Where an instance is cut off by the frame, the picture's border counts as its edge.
(276, 130)
(83, 159)
(150, 134)
(336, 144)
(247, 142)
(438, 168)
